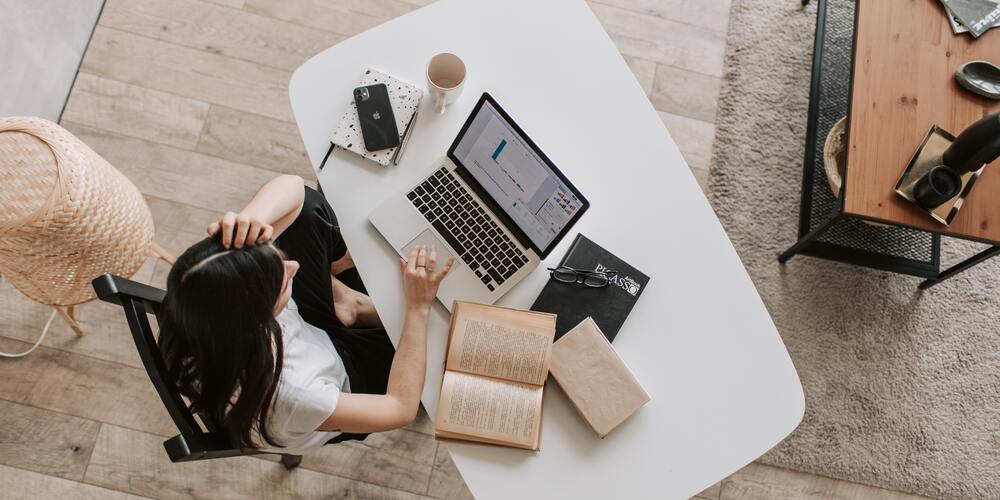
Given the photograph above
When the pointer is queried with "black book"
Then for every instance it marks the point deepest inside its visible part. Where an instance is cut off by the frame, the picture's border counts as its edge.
(573, 302)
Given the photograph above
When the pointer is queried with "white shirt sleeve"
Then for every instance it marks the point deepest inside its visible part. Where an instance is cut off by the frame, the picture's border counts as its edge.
(312, 405)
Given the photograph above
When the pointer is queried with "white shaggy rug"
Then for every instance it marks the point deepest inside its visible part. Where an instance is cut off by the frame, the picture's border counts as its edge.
(902, 387)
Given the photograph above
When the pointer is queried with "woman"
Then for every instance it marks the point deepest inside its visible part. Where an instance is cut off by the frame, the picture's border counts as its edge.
(290, 368)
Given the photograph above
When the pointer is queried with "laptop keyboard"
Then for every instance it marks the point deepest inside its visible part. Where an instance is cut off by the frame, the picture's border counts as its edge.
(462, 221)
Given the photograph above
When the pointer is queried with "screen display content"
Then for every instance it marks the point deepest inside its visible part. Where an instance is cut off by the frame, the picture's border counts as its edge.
(524, 186)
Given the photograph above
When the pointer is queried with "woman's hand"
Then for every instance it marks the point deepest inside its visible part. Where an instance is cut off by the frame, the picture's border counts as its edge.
(420, 282)
(275, 206)
(241, 229)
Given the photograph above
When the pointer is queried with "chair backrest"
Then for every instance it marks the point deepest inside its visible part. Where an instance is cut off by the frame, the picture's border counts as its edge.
(139, 300)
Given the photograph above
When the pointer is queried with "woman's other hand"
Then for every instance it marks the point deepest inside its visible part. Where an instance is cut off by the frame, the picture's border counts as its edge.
(241, 229)
(420, 281)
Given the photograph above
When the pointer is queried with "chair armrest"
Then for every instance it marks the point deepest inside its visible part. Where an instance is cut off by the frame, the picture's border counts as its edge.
(112, 289)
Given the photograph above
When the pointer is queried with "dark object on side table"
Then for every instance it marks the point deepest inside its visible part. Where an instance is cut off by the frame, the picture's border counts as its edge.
(939, 185)
(927, 157)
(977, 145)
(944, 169)
(980, 77)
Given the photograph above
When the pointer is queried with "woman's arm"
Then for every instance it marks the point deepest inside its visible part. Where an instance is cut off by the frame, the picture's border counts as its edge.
(269, 213)
(363, 413)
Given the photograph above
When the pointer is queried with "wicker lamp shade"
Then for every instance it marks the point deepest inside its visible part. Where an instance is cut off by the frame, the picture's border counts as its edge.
(66, 215)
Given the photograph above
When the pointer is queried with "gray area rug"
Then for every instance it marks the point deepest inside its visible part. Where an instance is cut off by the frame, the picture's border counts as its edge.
(902, 388)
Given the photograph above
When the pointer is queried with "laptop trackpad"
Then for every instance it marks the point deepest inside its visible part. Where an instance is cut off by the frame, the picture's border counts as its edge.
(427, 237)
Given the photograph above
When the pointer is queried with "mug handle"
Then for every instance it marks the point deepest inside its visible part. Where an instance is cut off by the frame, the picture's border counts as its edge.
(440, 102)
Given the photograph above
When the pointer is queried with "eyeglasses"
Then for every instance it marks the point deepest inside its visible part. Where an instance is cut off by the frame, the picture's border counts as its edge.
(594, 279)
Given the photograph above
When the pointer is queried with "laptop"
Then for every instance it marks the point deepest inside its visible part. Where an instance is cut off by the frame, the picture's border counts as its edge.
(498, 205)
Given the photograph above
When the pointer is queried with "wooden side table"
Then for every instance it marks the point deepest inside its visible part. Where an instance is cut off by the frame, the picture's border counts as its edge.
(901, 82)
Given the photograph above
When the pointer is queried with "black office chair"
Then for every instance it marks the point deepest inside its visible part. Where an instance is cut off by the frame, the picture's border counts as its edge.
(192, 443)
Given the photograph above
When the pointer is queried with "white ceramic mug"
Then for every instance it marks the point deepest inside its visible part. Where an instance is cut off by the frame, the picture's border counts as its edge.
(445, 76)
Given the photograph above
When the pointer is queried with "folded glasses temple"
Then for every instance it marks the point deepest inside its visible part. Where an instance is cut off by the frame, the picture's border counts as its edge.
(582, 272)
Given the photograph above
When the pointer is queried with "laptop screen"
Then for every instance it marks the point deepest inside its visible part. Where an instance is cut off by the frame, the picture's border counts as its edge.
(519, 178)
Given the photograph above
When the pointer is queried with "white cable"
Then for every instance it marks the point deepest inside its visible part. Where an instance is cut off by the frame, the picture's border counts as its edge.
(38, 342)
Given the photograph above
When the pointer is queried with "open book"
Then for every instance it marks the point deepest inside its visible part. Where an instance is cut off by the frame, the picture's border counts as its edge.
(495, 371)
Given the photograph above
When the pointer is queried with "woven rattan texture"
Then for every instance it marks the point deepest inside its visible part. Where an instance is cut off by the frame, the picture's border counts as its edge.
(835, 86)
(66, 215)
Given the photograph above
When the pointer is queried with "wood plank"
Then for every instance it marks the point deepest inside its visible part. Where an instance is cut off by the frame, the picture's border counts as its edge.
(708, 14)
(446, 481)
(254, 140)
(345, 17)
(693, 137)
(106, 338)
(686, 93)
(702, 176)
(219, 30)
(399, 459)
(26, 485)
(236, 4)
(86, 387)
(644, 71)
(135, 111)
(392, 470)
(412, 445)
(423, 422)
(179, 225)
(196, 74)
(890, 116)
(763, 482)
(175, 174)
(713, 492)
(44, 441)
(160, 274)
(135, 462)
(664, 41)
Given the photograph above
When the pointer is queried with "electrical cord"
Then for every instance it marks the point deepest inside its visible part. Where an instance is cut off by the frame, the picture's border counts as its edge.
(38, 342)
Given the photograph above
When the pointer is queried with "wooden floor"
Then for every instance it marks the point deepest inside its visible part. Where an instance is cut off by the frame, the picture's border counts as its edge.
(189, 99)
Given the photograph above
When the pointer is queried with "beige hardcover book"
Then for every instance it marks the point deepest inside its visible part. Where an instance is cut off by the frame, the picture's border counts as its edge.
(495, 371)
(595, 378)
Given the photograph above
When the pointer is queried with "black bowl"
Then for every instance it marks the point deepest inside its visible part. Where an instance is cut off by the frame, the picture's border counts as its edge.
(937, 186)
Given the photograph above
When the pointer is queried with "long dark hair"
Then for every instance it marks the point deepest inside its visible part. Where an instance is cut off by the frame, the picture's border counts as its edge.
(219, 338)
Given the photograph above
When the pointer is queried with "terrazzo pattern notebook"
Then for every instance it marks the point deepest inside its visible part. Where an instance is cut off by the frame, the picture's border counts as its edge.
(404, 97)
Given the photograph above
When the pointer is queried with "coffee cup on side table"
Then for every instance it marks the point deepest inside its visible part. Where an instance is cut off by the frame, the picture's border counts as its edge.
(445, 76)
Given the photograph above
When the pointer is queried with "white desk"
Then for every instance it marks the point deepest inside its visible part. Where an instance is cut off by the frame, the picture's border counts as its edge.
(700, 341)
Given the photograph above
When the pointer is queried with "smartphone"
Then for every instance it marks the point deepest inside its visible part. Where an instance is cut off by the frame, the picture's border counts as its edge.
(378, 124)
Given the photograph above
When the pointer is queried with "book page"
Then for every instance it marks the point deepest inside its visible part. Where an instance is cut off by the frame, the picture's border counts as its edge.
(502, 343)
(501, 411)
